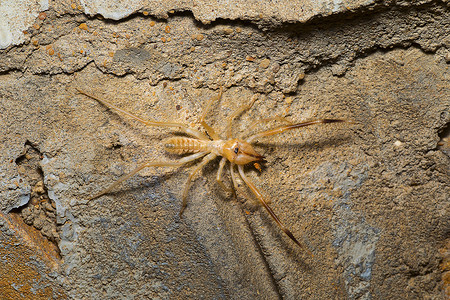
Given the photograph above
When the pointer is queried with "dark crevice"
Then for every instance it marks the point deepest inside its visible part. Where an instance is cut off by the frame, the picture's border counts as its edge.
(274, 24)
(40, 211)
(445, 132)
(358, 19)
(444, 139)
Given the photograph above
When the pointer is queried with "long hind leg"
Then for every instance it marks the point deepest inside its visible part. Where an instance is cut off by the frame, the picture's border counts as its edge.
(178, 163)
(205, 160)
(179, 126)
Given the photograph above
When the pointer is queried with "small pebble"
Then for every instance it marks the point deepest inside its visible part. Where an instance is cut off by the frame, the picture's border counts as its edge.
(83, 26)
(264, 63)
(39, 187)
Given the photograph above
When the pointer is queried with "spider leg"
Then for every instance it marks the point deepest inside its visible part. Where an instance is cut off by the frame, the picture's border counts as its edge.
(266, 120)
(233, 177)
(237, 113)
(211, 132)
(284, 128)
(236, 186)
(219, 176)
(258, 195)
(178, 163)
(204, 161)
(179, 126)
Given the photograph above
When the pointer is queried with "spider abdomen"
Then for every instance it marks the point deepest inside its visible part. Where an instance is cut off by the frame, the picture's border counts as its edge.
(183, 145)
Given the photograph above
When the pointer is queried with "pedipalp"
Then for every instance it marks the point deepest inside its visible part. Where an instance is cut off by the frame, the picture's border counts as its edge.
(284, 128)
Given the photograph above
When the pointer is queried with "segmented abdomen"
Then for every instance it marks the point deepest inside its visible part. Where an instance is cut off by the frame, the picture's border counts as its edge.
(182, 145)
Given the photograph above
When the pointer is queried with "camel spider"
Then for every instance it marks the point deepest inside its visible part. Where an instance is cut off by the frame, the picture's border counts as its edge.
(238, 152)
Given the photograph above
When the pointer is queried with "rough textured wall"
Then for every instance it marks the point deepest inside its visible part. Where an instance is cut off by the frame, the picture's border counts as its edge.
(370, 199)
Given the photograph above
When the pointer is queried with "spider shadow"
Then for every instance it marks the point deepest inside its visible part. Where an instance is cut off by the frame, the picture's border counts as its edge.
(249, 203)
(139, 185)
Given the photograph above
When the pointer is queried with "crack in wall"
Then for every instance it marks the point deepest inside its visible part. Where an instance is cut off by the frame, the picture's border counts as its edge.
(40, 210)
(444, 142)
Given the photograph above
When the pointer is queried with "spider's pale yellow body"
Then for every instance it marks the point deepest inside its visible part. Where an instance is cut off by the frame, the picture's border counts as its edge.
(235, 151)
(238, 152)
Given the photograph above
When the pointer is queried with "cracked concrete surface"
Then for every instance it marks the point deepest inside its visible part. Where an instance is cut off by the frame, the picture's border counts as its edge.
(369, 199)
